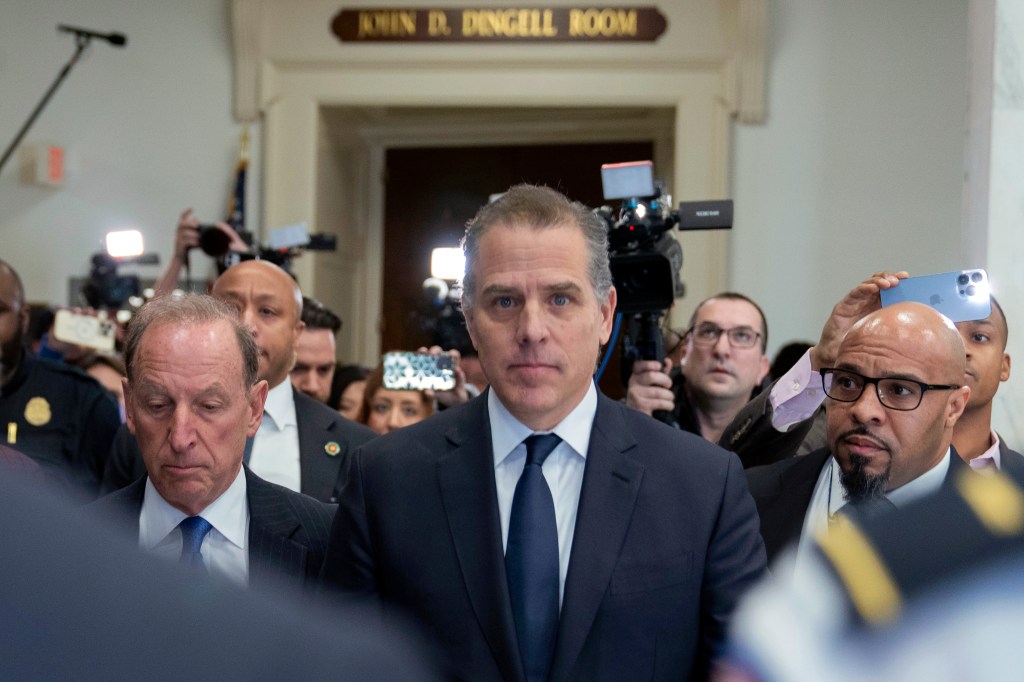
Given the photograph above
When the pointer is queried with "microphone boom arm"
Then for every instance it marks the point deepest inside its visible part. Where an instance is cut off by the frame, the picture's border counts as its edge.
(82, 40)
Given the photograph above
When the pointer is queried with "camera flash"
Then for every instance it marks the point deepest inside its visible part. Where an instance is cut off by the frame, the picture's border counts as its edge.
(447, 263)
(124, 243)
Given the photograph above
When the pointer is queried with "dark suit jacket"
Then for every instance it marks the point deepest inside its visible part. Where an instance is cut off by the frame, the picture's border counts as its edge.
(752, 436)
(1011, 462)
(287, 531)
(90, 606)
(665, 544)
(319, 461)
(782, 492)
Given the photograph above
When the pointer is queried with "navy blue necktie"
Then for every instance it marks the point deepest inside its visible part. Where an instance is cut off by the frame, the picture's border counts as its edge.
(531, 561)
(193, 530)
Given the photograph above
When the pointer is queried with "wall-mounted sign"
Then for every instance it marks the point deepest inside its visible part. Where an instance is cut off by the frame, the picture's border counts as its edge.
(527, 24)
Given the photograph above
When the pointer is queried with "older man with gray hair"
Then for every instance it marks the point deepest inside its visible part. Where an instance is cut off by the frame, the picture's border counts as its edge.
(192, 398)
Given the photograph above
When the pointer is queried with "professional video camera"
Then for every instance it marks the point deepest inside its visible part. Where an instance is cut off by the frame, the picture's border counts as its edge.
(284, 244)
(645, 259)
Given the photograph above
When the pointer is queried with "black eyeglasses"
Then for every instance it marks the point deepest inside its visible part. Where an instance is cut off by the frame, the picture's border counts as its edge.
(896, 394)
(708, 334)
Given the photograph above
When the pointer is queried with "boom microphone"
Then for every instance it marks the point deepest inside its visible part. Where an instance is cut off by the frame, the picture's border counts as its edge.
(115, 39)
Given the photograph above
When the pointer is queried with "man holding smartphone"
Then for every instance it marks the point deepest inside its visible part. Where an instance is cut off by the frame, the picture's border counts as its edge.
(895, 390)
(787, 419)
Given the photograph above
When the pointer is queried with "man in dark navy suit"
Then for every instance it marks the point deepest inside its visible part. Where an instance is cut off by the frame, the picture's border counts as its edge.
(192, 398)
(542, 530)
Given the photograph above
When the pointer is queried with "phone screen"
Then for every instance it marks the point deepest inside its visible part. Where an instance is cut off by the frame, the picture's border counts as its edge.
(419, 371)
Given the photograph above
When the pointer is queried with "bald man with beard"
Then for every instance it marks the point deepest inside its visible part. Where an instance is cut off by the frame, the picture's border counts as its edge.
(894, 394)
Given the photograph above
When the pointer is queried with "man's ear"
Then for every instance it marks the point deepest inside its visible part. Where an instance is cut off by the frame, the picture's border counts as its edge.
(129, 406)
(469, 317)
(957, 403)
(684, 349)
(257, 399)
(1004, 368)
(763, 371)
(608, 315)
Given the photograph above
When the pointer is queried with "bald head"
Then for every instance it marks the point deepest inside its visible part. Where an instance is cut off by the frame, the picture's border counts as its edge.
(914, 326)
(905, 353)
(264, 270)
(268, 302)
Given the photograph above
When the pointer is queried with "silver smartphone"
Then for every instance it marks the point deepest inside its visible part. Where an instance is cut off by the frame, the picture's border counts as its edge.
(419, 371)
(960, 295)
(83, 330)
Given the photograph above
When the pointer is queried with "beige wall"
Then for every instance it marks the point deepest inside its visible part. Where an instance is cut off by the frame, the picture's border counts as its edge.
(859, 163)
(1004, 198)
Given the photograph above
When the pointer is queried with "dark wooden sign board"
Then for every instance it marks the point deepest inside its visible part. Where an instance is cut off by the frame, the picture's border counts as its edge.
(508, 24)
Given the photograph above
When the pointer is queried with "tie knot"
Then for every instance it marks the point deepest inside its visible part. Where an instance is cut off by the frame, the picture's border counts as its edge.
(539, 446)
(193, 530)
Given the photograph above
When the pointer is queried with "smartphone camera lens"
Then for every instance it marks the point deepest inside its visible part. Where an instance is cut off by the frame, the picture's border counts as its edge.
(963, 279)
(971, 290)
(975, 277)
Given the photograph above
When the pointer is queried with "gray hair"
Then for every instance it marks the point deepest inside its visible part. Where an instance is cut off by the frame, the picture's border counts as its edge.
(538, 208)
(191, 310)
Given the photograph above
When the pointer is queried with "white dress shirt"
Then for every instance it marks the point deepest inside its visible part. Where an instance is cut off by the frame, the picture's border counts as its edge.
(224, 548)
(275, 449)
(563, 469)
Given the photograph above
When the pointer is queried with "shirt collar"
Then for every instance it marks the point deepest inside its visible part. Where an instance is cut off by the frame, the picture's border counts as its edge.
(280, 407)
(507, 432)
(228, 514)
(990, 455)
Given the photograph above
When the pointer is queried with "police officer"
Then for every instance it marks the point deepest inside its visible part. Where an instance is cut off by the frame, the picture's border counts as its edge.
(56, 414)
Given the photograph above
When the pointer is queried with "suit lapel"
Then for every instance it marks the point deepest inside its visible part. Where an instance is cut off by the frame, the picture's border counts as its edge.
(272, 555)
(317, 469)
(123, 507)
(611, 483)
(466, 479)
(956, 465)
(784, 507)
(1010, 461)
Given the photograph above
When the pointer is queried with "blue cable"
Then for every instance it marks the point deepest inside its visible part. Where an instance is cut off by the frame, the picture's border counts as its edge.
(610, 348)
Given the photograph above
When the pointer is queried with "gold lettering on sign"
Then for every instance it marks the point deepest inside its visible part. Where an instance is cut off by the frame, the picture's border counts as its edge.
(387, 23)
(437, 23)
(607, 23)
(509, 23)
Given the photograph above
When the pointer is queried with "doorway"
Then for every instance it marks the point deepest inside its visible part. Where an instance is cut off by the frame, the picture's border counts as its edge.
(430, 193)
